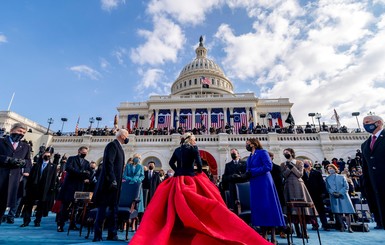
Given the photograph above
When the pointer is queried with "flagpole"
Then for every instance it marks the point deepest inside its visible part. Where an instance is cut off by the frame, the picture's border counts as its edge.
(10, 103)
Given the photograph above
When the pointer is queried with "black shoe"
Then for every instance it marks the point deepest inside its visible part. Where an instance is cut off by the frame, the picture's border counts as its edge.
(10, 220)
(60, 229)
(24, 225)
(113, 238)
(97, 239)
(74, 228)
(37, 224)
(326, 229)
(378, 227)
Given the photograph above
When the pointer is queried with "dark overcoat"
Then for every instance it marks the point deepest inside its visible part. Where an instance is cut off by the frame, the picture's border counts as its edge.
(10, 178)
(112, 170)
(373, 169)
(315, 184)
(74, 179)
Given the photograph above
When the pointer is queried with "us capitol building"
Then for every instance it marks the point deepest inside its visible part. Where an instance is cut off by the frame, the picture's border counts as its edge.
(201, 95)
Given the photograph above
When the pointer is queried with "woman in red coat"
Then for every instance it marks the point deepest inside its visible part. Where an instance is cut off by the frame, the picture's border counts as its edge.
(188, 208)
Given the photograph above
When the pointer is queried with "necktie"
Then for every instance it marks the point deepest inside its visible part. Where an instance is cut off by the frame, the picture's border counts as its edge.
(14, 144)
(150, 175)
(372, 142)
(43, 167)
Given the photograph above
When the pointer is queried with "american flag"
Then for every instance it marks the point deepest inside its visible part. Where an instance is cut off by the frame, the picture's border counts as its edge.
(199, 118)
(185, 121)
(164, 121)
(205, 82)
(77, 127)
(216, 121)
(239, 119)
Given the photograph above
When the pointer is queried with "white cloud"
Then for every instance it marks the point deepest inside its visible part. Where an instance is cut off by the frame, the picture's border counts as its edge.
(120, 54)
(83, 70)
(162, 44)
(191, 12)
(3, 38)
(104, 64)
(109, 5)
(333, 58)
(150, 78)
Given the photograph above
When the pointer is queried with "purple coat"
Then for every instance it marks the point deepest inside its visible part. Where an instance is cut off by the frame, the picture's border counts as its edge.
(265, 207)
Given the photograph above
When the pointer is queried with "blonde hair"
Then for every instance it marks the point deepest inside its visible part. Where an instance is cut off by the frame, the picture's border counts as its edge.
(188, 138)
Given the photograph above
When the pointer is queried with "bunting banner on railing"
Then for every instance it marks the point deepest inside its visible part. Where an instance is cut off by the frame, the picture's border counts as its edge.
(275, 118)
(185, 119)
(240, 118)
(132, 122)
(201, 117)
(217, 118)
(164, 119)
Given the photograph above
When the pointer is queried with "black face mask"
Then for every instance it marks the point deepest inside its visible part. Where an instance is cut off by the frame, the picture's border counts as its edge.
(46, 158)
(287, 155)
(125, 141)
(16, 137)
(249, 148)
(82, 155)
(150, 167)
(233, 156)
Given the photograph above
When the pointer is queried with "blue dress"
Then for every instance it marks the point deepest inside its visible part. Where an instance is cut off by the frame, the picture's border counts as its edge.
(135, 174)
(265, 207)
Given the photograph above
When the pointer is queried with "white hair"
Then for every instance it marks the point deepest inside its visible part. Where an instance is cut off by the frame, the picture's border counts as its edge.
(374, 118)
(121, 132)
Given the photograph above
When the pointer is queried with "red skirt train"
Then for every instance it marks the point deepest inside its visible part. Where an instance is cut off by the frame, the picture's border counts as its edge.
(190, 210)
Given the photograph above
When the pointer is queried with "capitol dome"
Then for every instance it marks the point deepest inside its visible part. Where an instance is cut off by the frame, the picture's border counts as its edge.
(201, 68)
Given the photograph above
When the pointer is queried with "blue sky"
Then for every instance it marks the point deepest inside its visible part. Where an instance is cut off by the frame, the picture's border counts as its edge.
(82, 58)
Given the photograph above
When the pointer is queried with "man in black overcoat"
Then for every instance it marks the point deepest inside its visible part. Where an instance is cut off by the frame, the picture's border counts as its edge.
(315, 184)
(151, 180)
(107, 190)
(373, 167)
(14, 154)
(77, 171)
(234, 173)
(40, 189)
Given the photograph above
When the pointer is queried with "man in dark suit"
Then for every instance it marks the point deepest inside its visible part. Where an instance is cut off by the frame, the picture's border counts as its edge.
(151, 180)
(40, 187)
(107, 190)
(14, 155)
(234, 173)
(317, 189)
(77, 171)
(373, 167)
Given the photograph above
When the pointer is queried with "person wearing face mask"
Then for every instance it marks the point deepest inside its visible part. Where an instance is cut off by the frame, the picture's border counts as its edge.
(107, 190)
(151, 181)
(295, 189)
(234, 173)
(134, 174)
(315, 184)
(77, 171)
(340, 202)
(373, 168)
(263, 194)
(14, 155)
(39, 188)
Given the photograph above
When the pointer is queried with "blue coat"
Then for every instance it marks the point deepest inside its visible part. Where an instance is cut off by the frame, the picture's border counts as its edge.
(342, 204)
(265, 206)
(135, 174)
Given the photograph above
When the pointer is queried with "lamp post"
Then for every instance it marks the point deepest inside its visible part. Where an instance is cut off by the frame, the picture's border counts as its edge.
(92, 120)
(98, 119)
(312, 116)
(318, 117)
(63, 119)
(356, 114)
(50, 121)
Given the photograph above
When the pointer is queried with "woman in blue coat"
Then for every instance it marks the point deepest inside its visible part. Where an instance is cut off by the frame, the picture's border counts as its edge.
(266, 210)
(340, 202)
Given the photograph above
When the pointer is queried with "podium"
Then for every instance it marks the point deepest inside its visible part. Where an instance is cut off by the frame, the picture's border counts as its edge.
(299, 207)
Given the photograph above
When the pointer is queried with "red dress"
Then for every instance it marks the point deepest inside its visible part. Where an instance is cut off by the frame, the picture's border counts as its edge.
(190, 210)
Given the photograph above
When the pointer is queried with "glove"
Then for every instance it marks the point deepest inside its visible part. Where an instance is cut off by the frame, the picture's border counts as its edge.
(235, 176)
(85, 174)
(114, 185)
(336, 194)
(246, 175)
(15, 162)
(290, 166)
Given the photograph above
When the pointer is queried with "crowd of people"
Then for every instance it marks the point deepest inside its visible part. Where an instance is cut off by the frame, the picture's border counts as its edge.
(49, 182)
